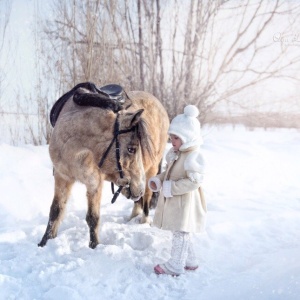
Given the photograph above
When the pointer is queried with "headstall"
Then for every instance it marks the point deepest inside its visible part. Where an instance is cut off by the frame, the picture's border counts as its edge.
(115, 140)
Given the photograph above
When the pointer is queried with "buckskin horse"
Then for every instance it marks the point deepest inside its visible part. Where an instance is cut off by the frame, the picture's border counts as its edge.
(121, 140)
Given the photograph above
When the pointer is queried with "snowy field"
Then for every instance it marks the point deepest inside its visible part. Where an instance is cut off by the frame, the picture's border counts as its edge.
(250, 250)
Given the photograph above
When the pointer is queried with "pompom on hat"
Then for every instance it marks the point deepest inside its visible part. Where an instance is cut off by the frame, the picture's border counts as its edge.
(187, 127)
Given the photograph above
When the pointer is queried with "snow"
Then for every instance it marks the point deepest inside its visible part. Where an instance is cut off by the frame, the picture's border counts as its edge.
(250, 249)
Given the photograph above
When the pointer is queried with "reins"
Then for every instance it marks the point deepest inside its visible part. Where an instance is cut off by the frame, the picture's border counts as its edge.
(115, 139)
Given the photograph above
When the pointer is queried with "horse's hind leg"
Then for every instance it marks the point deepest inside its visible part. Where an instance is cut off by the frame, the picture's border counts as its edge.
(146, 206)
(149, 195)
(61, 195)
(137, 208)
(142, 207)
(154, 200)
(155, 195)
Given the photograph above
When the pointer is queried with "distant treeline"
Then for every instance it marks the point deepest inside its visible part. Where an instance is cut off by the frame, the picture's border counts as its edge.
(252, 120)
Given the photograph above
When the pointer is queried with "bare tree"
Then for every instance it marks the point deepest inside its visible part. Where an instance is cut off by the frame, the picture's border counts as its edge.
(226, 50)
(201, 52)
(159, 53)
(141, 44)
(5, 7)
(4, 20)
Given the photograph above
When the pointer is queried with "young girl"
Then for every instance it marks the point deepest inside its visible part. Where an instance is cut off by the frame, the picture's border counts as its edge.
(181, 206)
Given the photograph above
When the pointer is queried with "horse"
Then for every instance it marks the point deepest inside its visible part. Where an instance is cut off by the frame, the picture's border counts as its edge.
(81, 149)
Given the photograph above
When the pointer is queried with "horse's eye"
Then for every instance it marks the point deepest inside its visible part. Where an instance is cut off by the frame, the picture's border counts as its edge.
(131, 150)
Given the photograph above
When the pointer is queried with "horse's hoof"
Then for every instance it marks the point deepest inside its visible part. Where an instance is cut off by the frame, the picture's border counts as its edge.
(136, 212)
(43, 242)
(93, 245)
(146, 220)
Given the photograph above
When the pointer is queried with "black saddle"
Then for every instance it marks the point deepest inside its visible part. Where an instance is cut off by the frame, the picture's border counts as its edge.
(111, 96)
(113, 91)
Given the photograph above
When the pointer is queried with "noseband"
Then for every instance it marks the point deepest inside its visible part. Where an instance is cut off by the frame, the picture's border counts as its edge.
(115, 139)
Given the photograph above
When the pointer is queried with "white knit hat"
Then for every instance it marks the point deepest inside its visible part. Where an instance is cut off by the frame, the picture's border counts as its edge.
(187, 127)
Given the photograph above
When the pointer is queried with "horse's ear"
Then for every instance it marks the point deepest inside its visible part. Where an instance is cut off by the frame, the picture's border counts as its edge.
(135, 118)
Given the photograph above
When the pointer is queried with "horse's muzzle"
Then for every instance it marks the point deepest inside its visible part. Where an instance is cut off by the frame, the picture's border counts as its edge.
(130, 195)
(136, 199)
(128, 190)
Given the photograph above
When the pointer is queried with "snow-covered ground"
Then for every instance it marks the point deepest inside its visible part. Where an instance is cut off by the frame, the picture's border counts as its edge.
(250, 250)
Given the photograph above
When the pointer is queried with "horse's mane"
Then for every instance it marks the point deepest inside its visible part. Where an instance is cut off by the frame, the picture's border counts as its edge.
(145, 139)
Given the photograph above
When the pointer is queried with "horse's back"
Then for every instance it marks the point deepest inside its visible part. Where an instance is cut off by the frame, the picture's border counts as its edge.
(154, 110)
(147, 101)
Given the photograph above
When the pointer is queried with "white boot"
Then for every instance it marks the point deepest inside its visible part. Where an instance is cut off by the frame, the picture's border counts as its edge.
(179, 252)
(191, 261)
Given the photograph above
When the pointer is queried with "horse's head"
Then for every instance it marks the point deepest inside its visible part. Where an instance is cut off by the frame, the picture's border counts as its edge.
(132, 144)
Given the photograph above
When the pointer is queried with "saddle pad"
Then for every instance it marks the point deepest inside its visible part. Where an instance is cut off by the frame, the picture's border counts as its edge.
(59, 104)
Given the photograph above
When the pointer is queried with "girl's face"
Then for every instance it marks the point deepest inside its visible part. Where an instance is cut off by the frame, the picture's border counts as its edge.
(176, 142)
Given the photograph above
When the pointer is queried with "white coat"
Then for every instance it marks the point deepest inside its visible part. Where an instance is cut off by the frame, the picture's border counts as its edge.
(181, 204)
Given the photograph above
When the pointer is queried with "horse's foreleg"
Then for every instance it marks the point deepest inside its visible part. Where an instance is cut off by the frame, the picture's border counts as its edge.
(61, 195)
(142, 207)
(93, 213)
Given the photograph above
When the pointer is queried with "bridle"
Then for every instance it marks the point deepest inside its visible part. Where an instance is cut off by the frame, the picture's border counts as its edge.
(115, 139)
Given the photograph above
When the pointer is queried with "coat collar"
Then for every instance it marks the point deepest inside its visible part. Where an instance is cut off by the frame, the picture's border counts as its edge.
(172, 155)
(192, 144)
(190, 148)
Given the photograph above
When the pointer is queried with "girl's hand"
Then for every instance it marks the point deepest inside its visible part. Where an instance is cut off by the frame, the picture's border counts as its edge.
(153, 185)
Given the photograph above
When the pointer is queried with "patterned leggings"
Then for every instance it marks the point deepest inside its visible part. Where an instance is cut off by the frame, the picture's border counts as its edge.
(182, 253)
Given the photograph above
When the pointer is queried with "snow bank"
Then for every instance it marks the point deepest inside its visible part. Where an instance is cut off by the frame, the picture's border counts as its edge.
(250, 250)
